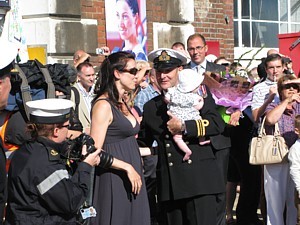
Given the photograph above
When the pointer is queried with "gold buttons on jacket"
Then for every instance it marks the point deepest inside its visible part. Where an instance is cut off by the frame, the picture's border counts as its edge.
(167, 136)
(170, 164)
(187, 142)
(169, 154)
(189, 161)
(167, 145)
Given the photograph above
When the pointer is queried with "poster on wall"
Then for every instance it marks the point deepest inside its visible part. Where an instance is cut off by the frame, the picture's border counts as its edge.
(126, 26)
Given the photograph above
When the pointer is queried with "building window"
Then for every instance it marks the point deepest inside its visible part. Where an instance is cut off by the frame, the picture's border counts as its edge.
(258, 22)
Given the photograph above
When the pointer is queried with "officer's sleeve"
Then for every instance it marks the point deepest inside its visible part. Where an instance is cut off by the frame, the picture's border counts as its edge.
(211, 123)
(145, 136)
(63, 194)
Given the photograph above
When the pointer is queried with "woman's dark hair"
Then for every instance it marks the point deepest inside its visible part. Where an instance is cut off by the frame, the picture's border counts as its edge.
(106, 78)
(280, 85)
(41, 130)
(133, 5)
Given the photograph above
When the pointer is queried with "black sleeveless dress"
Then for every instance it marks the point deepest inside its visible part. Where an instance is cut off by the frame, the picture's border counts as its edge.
(114, 202)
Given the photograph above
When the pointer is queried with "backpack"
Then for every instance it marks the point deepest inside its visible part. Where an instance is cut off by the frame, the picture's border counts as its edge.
(30, 81)
(33, 81)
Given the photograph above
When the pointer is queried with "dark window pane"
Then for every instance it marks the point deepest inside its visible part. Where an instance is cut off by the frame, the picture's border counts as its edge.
(245, 9)
(265, 34)
(235, 9)
(246, 34)
(283, 10)
(265, 10)
(236, 34)
(295, 10)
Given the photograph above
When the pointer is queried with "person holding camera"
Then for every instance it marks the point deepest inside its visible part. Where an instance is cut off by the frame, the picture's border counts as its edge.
(42, 186)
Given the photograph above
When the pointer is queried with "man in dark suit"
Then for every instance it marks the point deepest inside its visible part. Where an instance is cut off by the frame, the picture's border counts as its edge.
(188, 191)
(240, 137)
(197, 48)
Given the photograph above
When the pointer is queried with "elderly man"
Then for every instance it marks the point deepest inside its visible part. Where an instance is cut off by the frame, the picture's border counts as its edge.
(7, 57)
(187, 191)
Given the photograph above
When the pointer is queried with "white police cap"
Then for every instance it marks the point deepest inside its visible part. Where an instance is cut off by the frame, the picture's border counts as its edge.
(189, 80)
(8, 52)
(165, 58)
(49, 111)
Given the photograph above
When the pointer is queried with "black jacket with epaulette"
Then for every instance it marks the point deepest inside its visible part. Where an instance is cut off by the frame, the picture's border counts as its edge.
(41, 190)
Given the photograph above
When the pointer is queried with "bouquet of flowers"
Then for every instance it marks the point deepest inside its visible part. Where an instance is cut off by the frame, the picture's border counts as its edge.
(231, 91)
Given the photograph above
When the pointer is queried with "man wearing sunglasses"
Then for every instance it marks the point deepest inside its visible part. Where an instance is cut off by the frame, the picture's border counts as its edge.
(7, 56)
(188, 192)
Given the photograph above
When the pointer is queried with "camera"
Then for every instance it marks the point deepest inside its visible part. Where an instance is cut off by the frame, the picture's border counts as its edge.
(99, 51)
(75, 147)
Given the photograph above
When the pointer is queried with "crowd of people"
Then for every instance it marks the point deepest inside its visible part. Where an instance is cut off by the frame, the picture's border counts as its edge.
(170, 140)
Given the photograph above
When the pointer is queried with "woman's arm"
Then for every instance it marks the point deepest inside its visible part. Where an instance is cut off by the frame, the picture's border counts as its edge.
(274, 114)
(101, 119)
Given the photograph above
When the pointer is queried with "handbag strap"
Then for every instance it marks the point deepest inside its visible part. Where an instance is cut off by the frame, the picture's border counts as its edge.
(262, 131)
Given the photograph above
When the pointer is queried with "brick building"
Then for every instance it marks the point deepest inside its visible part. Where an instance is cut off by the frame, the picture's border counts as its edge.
(63, 26)
(209, 20)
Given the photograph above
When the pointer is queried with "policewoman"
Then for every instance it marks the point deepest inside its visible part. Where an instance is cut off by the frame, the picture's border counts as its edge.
(41, 189)
(190, 192)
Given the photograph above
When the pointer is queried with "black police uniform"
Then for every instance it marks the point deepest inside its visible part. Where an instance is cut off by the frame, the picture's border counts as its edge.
(40, 189)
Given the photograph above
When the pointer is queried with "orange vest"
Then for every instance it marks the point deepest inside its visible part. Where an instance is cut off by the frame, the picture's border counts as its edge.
(8, 148)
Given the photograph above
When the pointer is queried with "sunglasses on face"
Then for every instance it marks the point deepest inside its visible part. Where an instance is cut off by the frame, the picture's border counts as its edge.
(132, 71)
(289, 86)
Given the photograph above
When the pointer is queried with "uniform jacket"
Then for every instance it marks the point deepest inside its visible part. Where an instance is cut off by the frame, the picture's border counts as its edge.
(40, 189)
(84, 114)
(203, 173)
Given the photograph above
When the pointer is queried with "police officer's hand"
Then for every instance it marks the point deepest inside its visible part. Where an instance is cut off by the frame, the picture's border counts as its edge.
(134, 178)
(174, 124)
(92, 159)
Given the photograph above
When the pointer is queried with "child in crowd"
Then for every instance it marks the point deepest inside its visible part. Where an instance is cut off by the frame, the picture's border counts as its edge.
(294, 161)
(184, 102)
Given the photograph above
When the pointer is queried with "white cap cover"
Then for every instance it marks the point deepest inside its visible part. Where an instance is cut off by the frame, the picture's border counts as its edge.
(8, 52)
(49, 111)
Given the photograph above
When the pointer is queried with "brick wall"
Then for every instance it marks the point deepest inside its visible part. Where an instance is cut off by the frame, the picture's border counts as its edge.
(209, 20)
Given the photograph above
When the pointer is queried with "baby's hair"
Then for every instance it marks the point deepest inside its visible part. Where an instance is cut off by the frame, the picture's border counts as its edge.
(297, 122)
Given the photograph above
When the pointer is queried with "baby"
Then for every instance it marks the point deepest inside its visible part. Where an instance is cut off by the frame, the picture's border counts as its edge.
(184, 102)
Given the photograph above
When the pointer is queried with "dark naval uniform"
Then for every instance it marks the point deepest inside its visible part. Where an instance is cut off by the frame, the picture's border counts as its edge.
(40, 189)
(203, 174)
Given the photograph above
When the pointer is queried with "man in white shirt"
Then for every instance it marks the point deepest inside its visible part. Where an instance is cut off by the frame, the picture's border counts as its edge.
(266, 91)
(85, 88)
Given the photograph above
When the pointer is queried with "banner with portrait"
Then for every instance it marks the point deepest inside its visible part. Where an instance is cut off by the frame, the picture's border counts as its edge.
(126, 26)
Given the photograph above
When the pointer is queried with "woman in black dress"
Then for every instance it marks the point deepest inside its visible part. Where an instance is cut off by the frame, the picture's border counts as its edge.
(120, 196)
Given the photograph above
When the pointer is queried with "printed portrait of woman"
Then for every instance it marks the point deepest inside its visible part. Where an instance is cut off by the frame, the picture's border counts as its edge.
(126, 27)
